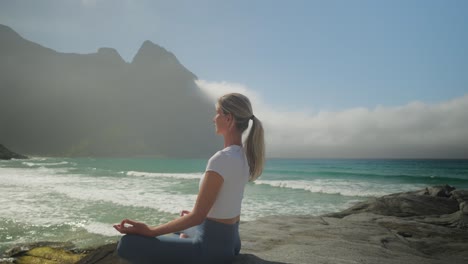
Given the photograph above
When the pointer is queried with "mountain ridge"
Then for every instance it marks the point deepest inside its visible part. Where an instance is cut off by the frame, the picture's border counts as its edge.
(96, 104)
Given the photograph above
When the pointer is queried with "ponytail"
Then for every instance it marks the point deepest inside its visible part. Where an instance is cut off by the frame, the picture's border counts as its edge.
(255, 149)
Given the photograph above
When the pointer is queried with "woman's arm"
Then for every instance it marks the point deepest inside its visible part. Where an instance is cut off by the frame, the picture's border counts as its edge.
(209, 190)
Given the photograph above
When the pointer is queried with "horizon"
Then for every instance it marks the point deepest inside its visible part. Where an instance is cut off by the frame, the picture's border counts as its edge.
(334, 78)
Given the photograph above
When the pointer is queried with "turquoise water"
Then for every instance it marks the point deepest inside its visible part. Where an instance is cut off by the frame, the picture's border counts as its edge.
(78, 199)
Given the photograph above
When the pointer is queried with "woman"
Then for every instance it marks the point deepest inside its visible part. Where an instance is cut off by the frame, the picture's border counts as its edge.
(216, 213)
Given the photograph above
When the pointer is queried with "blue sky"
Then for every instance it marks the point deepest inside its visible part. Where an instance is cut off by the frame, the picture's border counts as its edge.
(302, 58)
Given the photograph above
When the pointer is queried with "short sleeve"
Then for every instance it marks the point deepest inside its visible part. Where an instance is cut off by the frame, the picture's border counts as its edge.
(218, 163)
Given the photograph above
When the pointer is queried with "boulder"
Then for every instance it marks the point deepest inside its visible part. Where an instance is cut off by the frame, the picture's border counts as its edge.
(435, 200)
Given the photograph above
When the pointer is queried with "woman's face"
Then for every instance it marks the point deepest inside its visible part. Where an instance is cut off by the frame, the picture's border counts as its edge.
(221, 121)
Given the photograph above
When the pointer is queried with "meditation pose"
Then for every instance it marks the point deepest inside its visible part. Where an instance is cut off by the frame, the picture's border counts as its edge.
(212, 226)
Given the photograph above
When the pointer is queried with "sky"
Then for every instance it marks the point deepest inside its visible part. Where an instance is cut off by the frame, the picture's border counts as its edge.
(362, 78)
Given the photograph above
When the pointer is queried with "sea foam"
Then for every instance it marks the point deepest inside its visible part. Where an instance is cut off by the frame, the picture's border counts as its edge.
(342, 187)
(189, 176)
(41, 164)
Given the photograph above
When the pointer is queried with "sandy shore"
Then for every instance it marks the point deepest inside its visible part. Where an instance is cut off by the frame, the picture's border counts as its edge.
(427, 226)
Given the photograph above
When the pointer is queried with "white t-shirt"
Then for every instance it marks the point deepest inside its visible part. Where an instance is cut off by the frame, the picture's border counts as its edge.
(231, 163)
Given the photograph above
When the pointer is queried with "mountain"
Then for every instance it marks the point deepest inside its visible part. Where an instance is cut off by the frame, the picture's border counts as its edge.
(6, 154)
(66, 104)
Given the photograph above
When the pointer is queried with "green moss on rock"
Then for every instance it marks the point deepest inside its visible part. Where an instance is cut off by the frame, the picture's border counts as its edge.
(48, 255)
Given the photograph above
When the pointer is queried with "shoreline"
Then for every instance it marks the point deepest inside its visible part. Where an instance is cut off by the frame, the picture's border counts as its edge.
(425, 226)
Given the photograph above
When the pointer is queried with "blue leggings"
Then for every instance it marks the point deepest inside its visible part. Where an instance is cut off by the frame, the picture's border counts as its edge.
(213, 242)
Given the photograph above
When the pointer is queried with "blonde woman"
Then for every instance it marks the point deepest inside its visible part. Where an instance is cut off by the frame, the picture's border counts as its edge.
(216, 214)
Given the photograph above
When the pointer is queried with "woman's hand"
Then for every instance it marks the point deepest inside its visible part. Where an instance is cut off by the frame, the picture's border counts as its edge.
(128, 226)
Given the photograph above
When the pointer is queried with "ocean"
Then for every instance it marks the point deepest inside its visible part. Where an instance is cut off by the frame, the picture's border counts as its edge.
(78, 199)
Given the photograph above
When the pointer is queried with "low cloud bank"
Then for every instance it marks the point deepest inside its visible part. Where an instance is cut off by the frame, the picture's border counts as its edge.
(414, 130)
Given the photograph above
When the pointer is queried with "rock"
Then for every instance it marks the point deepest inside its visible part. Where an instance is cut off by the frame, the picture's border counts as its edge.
(460, 195)
(46, 255)
(404, 234)
(23, 248)
(356, 238)
(430, 239)
(440, 191)
(455, 220)
(464, 208)
(7, 154)
(437, 205)
(103, 255)
(428, 202)
(252, 259)
(106, 255)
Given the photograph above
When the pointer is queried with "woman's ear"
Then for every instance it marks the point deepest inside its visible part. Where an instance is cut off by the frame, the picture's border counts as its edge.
(231, 121)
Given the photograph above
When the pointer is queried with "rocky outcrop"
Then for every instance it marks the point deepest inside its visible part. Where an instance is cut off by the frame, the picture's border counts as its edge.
(6, 154)
(440, 205)
(424, 226)
(365, 233)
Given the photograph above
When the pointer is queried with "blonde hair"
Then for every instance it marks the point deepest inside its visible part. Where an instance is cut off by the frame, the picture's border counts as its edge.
(239, 107)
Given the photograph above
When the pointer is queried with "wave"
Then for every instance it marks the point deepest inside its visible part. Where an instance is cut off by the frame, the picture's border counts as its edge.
(43, 198)
(104, 229)
(33, 175)
(301, 174)
(189, 176)
(343, 187)
(39, 164)
(39, 158)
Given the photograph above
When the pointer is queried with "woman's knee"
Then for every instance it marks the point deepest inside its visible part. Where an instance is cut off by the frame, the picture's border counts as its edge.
(126, 247)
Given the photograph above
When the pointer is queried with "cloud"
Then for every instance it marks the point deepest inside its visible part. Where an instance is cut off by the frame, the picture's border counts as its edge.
(414, 130)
